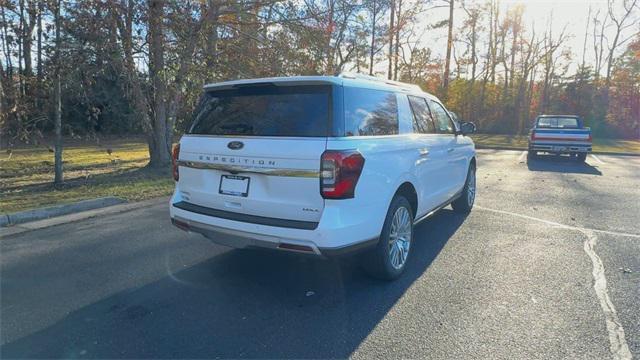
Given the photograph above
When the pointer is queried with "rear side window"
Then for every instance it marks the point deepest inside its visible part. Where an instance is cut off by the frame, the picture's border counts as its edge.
(558, 122)
(264, 111)
(370, 112)
(422, 122)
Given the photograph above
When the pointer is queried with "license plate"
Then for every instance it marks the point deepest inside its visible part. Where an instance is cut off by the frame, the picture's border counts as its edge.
(559, 148)
(234, 185)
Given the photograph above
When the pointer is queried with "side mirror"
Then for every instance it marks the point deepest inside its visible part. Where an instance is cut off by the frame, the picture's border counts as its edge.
(467, 128)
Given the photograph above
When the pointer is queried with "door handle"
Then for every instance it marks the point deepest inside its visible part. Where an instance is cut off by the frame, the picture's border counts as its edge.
(450, 149)
(424, 152)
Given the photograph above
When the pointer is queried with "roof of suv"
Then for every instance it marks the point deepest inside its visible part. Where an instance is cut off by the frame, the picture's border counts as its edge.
(354, 80)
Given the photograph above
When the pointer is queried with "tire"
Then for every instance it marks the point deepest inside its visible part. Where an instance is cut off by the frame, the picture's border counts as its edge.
(381, 262)
(581, 157)
(464, 203)
(532, 155)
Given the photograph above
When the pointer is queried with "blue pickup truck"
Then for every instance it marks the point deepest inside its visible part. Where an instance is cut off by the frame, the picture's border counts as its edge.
(560, 134)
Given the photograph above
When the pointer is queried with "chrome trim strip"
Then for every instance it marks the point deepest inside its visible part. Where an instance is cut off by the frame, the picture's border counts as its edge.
(307, 138)
(235, 169)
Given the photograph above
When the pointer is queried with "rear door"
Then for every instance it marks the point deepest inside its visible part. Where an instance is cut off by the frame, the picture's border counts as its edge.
(256, 151)
(431, 166)
(454, 152)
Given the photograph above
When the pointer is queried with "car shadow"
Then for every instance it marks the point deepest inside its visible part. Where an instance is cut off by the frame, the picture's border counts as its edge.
(240, 304)
(563, 164)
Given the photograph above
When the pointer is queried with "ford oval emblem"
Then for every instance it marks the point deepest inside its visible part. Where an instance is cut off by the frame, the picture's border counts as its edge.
(235, 145)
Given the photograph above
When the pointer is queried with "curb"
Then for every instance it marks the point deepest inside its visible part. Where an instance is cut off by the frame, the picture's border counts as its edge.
(525, 149)
(58, 210)
(70, 218)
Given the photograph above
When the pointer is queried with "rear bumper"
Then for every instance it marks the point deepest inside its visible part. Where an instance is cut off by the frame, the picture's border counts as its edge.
(340, 231)
(243, 240)
(560, 148)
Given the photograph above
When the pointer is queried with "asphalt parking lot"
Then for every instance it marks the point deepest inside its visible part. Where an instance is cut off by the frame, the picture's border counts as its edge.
(547, 265)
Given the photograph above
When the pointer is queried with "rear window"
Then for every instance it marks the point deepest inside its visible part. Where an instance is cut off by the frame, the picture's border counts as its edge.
(370, 112)
(558, 122)
(264, 111)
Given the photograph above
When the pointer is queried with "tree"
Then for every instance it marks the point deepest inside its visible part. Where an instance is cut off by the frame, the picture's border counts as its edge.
(58, 96)
(392, 18)
(621, 22)
(159, 144)
(447, 62)
(375, 9)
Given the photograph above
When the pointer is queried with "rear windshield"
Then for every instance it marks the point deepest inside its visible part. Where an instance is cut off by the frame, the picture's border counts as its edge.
(558, 122)
(264, 111)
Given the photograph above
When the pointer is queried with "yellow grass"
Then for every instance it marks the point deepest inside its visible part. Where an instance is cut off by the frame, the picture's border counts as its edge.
(26, 176)
(520, 142)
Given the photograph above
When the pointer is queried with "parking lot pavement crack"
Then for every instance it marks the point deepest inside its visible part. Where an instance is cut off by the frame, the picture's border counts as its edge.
(553, 223)
(619, 348)
(617, 341)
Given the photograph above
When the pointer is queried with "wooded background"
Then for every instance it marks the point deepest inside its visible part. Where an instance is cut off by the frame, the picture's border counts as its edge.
(93, 67)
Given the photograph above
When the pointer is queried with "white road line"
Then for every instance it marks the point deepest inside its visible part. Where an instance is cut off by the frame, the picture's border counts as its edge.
(521, 158)
(597, 159)
(617, 342)
(553, 223)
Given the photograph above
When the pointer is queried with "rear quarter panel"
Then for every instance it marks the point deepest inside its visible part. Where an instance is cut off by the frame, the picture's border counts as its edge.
(389, 162)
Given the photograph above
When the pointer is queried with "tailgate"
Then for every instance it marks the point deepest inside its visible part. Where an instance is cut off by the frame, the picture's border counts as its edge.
(269, 177)
(562, 136)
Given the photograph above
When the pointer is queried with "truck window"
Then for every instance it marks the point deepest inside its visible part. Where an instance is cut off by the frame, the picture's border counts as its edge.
(369, 112)
(558, 122)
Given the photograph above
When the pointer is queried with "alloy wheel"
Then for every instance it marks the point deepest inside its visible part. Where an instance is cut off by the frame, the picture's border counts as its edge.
(400, 237)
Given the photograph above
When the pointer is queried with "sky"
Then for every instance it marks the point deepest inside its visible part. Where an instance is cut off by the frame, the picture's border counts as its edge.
(570, 13)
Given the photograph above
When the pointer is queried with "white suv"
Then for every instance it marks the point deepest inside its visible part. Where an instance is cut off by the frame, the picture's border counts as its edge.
(323, 165)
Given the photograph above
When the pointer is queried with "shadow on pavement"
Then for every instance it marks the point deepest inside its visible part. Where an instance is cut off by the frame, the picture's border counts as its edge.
(563, 164)
(240, 304)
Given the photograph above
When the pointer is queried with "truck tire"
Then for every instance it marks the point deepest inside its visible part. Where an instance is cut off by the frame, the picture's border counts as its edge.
(464, 203)
(388, 259)
(581, 157)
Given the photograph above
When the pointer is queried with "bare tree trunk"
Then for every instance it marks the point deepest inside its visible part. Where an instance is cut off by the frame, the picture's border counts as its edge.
(374, 15)
(598, 45)
(20, 52)
(3, 112)
(447, 62)
(513, 55)
(391, 27)
(26, 42)
(586, 36)
(396, 55)
(6, 45)
(39, 57)
(159, 149)
(329, 53)
(620, 26)
(58, 101)
(212, 39)
(495, 13)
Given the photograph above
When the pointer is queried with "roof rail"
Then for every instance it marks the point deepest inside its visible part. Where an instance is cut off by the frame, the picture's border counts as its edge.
(404, 86)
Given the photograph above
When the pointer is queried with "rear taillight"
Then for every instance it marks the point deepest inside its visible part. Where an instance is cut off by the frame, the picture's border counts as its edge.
(533, 135)
(174, 160)
(589, 138)
(339, 173)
